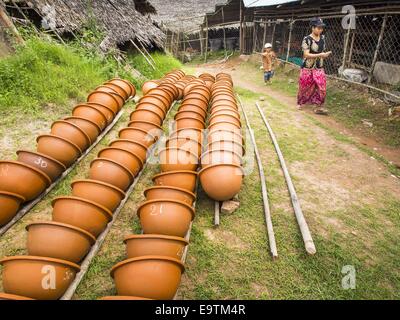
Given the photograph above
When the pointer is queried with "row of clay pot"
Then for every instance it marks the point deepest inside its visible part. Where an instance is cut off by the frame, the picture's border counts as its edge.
(221, 175)
(154, 265)
(25, 179)
(79, 219)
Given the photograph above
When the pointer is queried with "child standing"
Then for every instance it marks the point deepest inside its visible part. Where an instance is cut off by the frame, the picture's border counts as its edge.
(268, 60)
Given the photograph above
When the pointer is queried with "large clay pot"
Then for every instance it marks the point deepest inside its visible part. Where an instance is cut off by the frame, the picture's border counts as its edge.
(125, 84)
(148, 85)
(153, 128)
(229, 135)
(189, 114)
(137, 148)
(145, 106)
(154, 277)
(22, 179)
(9, 204)
(120, 98)
(81, 213)
(37, 277)
(58, 148)
(221, 182)
(225, 103)
(224, 125)
(188, 133)
(120, 298)
(51, 167)
(137, 135)
(193, 108)
(91, 113)
(226, 145)
(118, 89)
(104, 98)
(182, 123)
(6, 296)
(185, 144)
(199, 103)
(172, 88)
(111, 172)
(164, 216)
(226, 110)
(220, 156)
(106, 111)
(158, 101)
(146, 115)
(102, 193)
(140, 245)
(181, 179)
(71, 132)
(92, 129)
(128, 159)
(58, 240)
(172, 193)
(224, 117)
(197, 95)
(163, 94)
(172, 159)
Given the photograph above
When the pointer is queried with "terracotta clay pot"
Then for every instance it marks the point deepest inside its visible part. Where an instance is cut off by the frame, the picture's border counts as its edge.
(58, 148)
(111, 172)
(220, 156)
(146, 106)
(125, 84)
(221, 182)
(163, 94)
(146, 115)
(6, 296)
(226, 110)
(224, 125)
(137, 148)
(154, 277)
(81, 213)
(229, 135)
(140, 245)
(118, 97)
(148, 85)
(164, 216)
(91, 113)
(51, 167)
(137, 135)
(128, 159)
(120, 298)
(185, 144)
(181, 179)
(172, 159)
(22, 179)
(225, 103)
(58, 240)
(118, 89)
(182, 123)
(193, 108)
(199, 103)
(106, 111)
(172, 193)
(153, 128)
(226, 145)
(104, 98)
(188, 133)
(172, 88)
(92, 129)
(158, 101)
(189, 114)
(9, 204)
(33, 277)
(224, 117)
(197, 95)
(71, 132)
(102, 193)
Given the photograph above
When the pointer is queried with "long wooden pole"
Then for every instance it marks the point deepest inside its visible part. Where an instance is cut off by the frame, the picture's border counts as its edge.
(289, 40)
(206, 44)
(378, 47)
(264, 35)
(305, 231)
(241, 28)
(7, 23)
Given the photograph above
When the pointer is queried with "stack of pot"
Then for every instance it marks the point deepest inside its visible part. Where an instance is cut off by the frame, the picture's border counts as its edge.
(58, 246)
(25, 179)
(221, 175)
(154, 265)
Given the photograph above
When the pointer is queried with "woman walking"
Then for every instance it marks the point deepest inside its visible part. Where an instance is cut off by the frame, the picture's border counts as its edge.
(312, 82)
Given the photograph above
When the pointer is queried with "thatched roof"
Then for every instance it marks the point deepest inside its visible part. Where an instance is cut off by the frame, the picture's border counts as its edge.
(184, 14)
(119, 19)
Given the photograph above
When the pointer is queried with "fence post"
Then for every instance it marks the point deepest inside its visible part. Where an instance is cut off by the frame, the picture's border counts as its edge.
(223, 21)
(7, 22)
(289, 39)
(241, 28)
(346, 44)
(206, 49)
(273, 33)
(254, 37)
(378, 46)
(201, 40)
(265, 33)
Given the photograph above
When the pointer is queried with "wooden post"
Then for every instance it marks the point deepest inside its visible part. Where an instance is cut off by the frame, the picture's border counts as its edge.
(254, 37)
(378, 47)
(273, 33)
(353, 37)
(223, 21)
(265, 34)
(346, 44)
(241, 28)
(7, 23)
(142, 53)
(201, 40)
(206, 44)
(289, 39)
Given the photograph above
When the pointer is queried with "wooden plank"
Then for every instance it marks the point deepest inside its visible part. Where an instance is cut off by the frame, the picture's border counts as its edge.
(7, 23)
(216, 214)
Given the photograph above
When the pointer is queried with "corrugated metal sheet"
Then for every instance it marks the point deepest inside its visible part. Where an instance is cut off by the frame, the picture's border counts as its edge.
(265, 3)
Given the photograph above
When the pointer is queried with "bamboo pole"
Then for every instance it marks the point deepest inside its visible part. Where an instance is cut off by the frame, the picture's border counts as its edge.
(6, 21)
(216, 214)
(345, 49)
(289, 40)
(206, 44)
(223, 21)
(264, 34)
(241, 28)
(378, 47)
(142, 53)
(305, 231)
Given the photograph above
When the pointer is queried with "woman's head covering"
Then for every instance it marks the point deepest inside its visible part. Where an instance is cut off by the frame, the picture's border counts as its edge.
(317, 22)
(268, 45)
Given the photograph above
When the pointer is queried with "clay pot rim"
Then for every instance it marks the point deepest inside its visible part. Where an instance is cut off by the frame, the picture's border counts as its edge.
(89, 104)
(44, 259)
(155, 236)
(137, 110)
(61, 138)
(140, 104)
(44, 156)
(166, 200)
(178, 148)
(106, 210)
(116, 163)
(121, 192)
(173, 172)
(130, 128)
(123, 150)
(59, 224)
(220, 165)
(165, 105)
(143, 258)
(204, 98)
(222, 141)
(230, 122)
(185, 101)
(192, 119)
(74, 125)
(15, 195)
(114, 84)
(129, 141)
(167, 96)
(221, 150)
(210, 132)
(192, 105)
(224, 114)
(225, 108)
(179, 111)
(170, 187)
(183, 138)
(127, 82)
(114, 92)
(189, 128)
(41, 173)
(9, 296)
(148, 122)
(107, 93)
(91, 107)
(99, 130)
